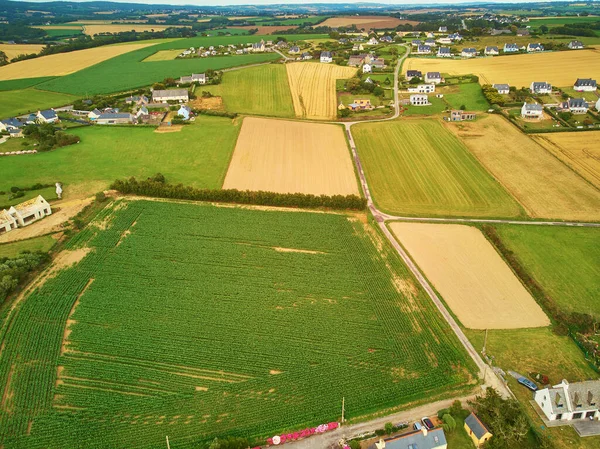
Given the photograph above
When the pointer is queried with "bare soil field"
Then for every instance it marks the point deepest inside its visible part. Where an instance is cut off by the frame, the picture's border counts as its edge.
(558, 68)
(291, 157)
(65, 63)
(475, 282)
(266, 29)
(212, 103)
(544, 186)
(313, 88)
(14, 50)
(366, 22)
(580, 151)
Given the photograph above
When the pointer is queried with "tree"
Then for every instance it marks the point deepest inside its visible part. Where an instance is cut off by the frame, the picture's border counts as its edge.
(449, 423)
(344, 113)
(3, 58)
(544, 29)
(463, 107)
(415, 80)
(565, 115)
(456, 408)
(389, 428)
(352, 84)
(158, 86)
(378, 91)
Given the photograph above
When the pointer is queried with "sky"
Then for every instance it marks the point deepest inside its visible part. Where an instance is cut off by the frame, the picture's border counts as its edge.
(269, 2)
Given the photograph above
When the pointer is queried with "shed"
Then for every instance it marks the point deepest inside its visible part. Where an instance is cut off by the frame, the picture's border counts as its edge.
(477, 430)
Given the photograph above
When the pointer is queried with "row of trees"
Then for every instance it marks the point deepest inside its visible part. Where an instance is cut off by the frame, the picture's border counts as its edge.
(156, 186)
(13, 270)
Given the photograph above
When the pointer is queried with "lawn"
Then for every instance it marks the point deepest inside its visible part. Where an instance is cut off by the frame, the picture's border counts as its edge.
(468, 95)
(198, 156)
(589, 96)
(23, 101)
(43, 243)
(564, 261)
(459, 439)
(196, 321)
(262, 90)
(437, 106)
(49, 193)
(417, 167)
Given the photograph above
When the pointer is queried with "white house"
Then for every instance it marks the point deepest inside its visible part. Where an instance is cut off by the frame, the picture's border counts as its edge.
(170, 95)
(114, 118)
(422, 89)
(7, 222)
(433, 77)
(93, 115)
(585, 85)
(423, 50)
(532, 110)
(24, 213)
(326, 57)
(410, 74)
(367, 68)
(455, 37)
(468, 52)
(294, 50)
(575, 45)
(444, 40)
(532, 48)
(598, 105)
(199, 78)
(511, 48)
(576, 105)
(419, 100)
(541, 87)
(142, 113)
(442, 29)
(372, 41)
(491, 51)
(47, 116)
(444, 52)
(566, 402)
(184, 111)
(258, 47)
(502, 89)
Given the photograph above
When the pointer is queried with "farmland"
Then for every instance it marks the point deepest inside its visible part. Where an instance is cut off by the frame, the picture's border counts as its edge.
(580, 151)
(366, 22)
(540, 182)
(262, 90)
(313, 88)
(326, 311)
(14, 50)
(94, 29)
(198, 156)
(64, 63)
(291, 157)
(426, 170)
(471, 276)
(14, 102)
(557, 68)
(564, 261)
(163, 55)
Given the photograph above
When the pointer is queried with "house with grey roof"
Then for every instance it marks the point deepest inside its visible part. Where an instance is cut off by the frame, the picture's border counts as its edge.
(294, 50)
(170, 95)
(423, 50)
(326, 57)
(47, 116)
(114, 118)
(444, 52)
(420, 439)
(94, 114)
(532, 48)
(477, 430)
(502, 89)
(185, 112)
(575, 105)
(433, 77)
(491, 51)
(199, 78)
(410, 74)
(570, 401)
(468, 52)
(522, 32)
(455, 37)
(430, 42)
(532, 110)
(575, 45)
(585, 85)
(258, 47)
(540, 87)
(510, 48)
(416, 42)
(10, 123)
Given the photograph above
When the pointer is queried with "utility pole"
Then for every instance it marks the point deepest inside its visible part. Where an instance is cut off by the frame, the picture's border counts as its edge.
(343, 408)
(168, 445)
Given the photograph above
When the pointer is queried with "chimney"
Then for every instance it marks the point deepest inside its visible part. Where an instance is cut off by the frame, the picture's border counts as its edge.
(424, 430)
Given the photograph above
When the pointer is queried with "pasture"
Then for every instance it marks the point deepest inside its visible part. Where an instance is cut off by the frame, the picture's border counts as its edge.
(262, 90)
(198, 156)
(43, 243)
(468, 95)
(23, 101)
(163, 55)
(471, 276)
(539, 181)
(558, 68)
(580, 151)
(366, 22)
(564, 261)
(313, 88)
(559, 21)
(196, 321)
(64, 63)
(416, 167)
(291, 157)
(14, 50)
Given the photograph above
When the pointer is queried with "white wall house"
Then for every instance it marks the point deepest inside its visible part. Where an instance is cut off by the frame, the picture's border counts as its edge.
(367, 68)
(511, 48)
(419, 100)
(491, 51)
(422, 88)
(598, 105)
(468, 52)
(566, 402)
(576, 105)
(444, 52)
(47, 116)
(170, 95)
(532, 110)
(532, 48)
(541, 87)
(433, 77)
(24, 214)
(326, 57)
(585, 85)
(503, 89)
(7, 222)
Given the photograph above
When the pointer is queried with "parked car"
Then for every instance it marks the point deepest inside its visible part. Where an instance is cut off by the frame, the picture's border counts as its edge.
(427, 423)
(527, 383)
(417, 426)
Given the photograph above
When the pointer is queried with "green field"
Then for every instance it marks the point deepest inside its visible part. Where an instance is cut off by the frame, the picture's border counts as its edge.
(564, 261)
(23, 101)
(438, 105)
(198, 155)
(262, 90)
(43, 243)
(193, 320)
(417, 167)
(49, 193)
(129, 71)
(468, 95)
(23, 83)
(64, 33)
(559, 21)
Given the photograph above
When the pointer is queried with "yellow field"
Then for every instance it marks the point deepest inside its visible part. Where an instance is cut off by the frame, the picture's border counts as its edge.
(580, 151)
(59, 27)
(471, 276)
(558, 68)
(92, 30)
(12, 51)
(291, 157)
(313, 88)
(541, 183)
(366, 22)
(65, 63)
(163, 55)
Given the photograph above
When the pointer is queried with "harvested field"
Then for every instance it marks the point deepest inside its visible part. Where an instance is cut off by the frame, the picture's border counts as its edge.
(558, 68)
(580, 151)
(313, 88)
(266, 29)
(212, 103)
(542, 184)
(65, 63)
(473, 279)
(291, 157)
(366, 22)
(12, 51)
(92, 30)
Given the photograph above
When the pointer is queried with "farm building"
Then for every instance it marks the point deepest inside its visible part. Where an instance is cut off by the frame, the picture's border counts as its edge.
(47, 116)
(326, 57)
(566, 402)
(367, 68)
(444, 40)
(410, 74)
(419, 100)
(433, 77)
(422, 88)
(532, 48)
(522, 32)
(575, 105)
(491, 51)
(585, 85)
(461, 116)
(532, 110)
(477, 430)
(511, 48)
(170, 95)
(541, 87)
(444, 52)
(423, 50)
(378, 63)
(575, 45)
(502, 89)
(24, 214)
(468, 52)
(356, 60)
(199, 78)
(7, 222)
(137, 99)
(420, 439)
(114, 118)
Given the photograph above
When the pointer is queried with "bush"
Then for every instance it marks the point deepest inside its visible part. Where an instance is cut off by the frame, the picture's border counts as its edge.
(565, 115)
(14, 270)
(456, 409)
(354, 444)
(100, 197)
(14, 189)
(449, 423)
(389, 428)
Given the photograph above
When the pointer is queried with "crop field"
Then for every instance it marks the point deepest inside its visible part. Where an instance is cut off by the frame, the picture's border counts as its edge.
(22, 83)
(541, 183)
(580, 151)
(313, 88)
(264, 30)
(163, 55)
(262, 90)
(558, 68)
(63, 32)
(254, 322)
(416, 167)
(559, 21)
(367, 22)
(564, 261)
(43, 243)
(64, 63)
(291, 157)
(14, 50)
(14, 102)
(471, 276)
(94, 29)
(198, 156)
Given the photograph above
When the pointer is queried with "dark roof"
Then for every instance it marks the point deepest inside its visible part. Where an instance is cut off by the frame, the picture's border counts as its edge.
(585, 82)
(469, 50)
(326, 54)
(434, 75)
(434, 439)
(444, 50)
(15, 123)
(511, 46)
(491, 48)
(413, 73)
(533, 107)
(114, 115)
(48, 113)
(424, 48)
(577, 103)
(478, 428)
(541, 85)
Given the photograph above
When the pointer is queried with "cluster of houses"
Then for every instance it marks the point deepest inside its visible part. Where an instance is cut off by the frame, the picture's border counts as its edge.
(573, 105)
(419, 92)
(23, 214)
(360, 104)
(14, 125)
(230, 49)
(368, 61)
